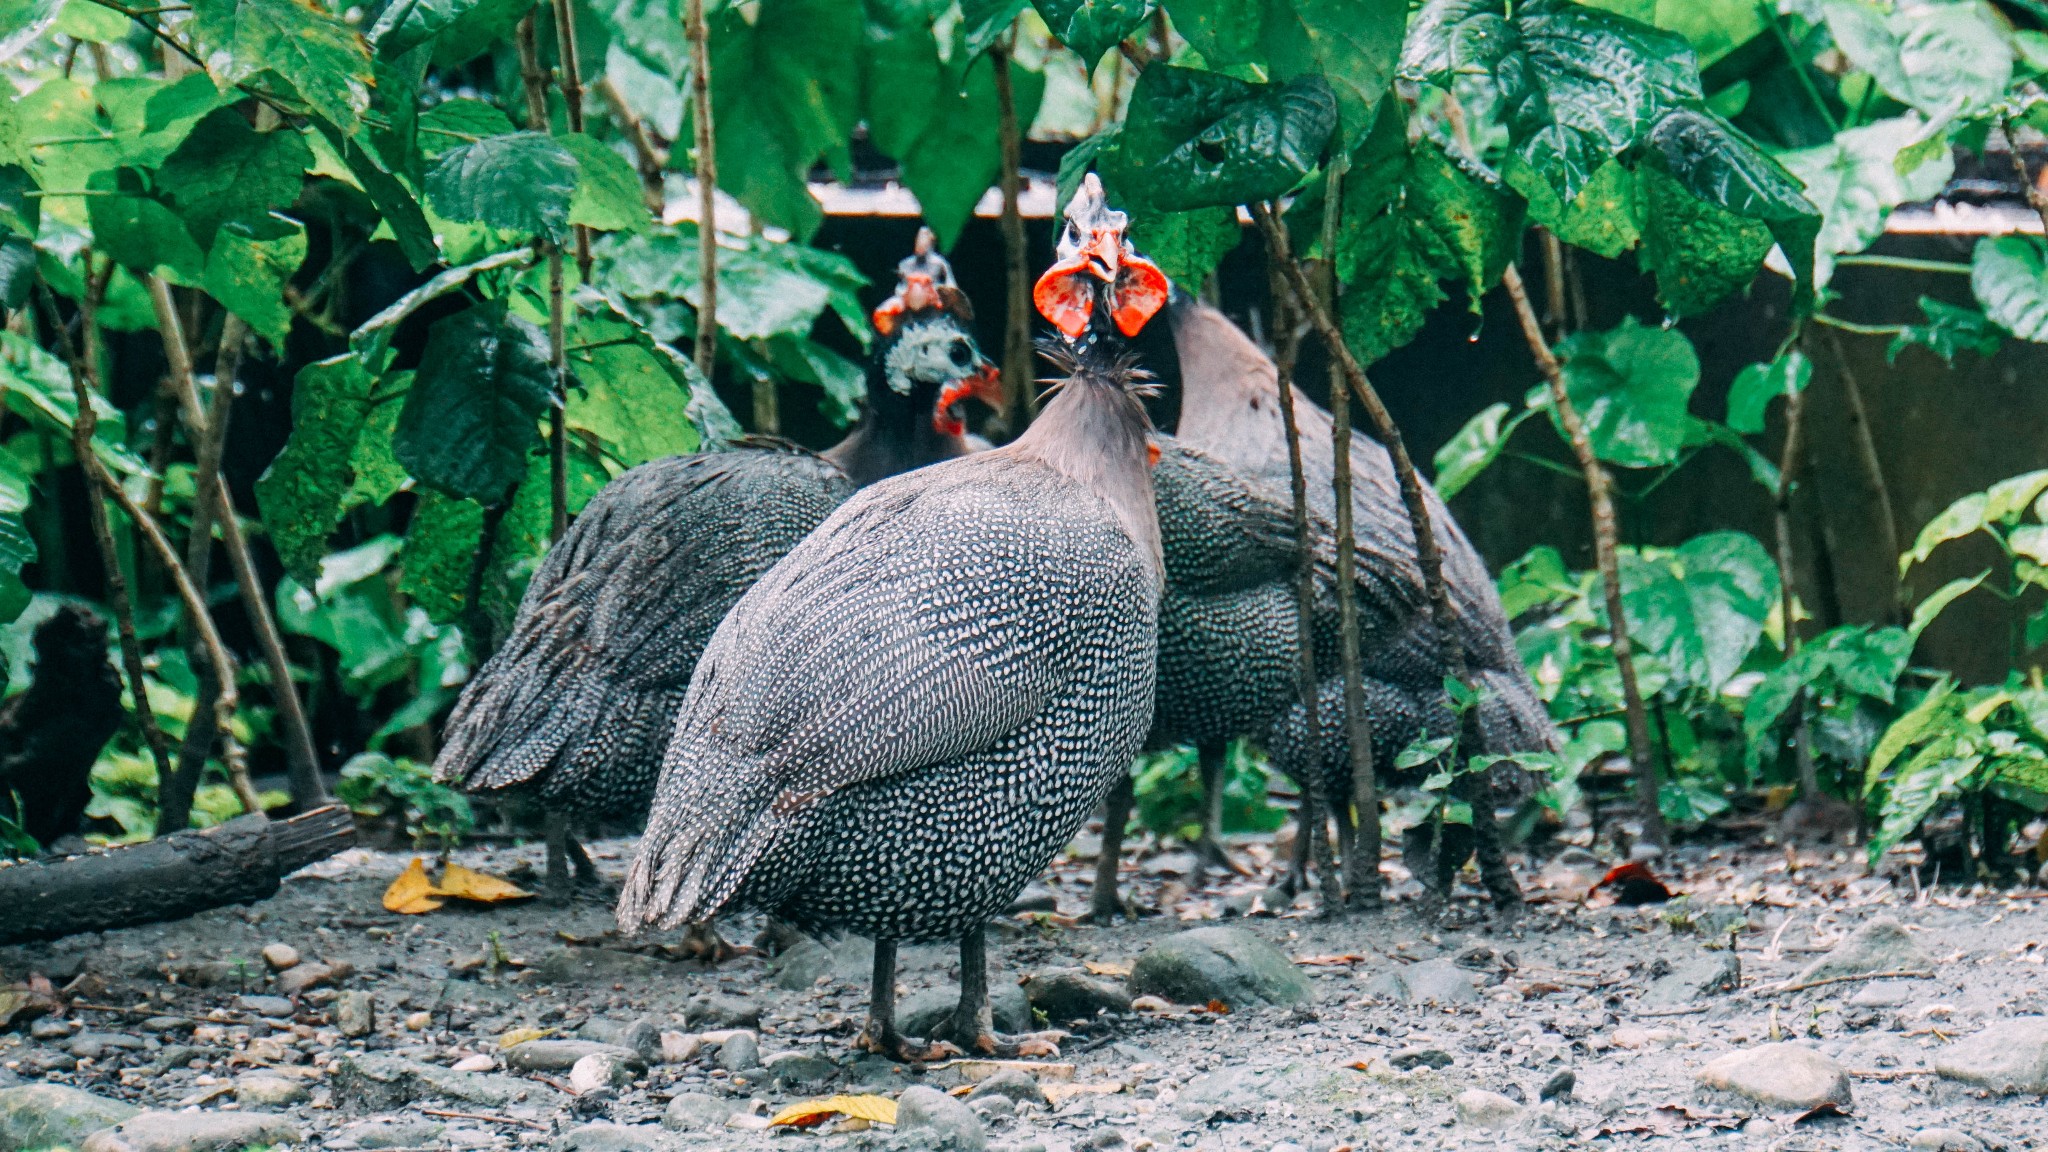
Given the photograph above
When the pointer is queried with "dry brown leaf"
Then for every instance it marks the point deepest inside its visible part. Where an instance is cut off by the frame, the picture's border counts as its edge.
(470, 884)
(1217, 1008)
(412, 894)
(1323, 961)
(805, 1113)
(1097, 968)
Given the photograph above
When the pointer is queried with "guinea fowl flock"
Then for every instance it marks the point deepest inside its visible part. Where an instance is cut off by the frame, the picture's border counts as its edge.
(877, 689)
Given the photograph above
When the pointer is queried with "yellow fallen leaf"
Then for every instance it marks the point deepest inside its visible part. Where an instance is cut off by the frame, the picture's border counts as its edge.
(804, 1113)
(1099, 968)
(473, 885)
(522, 1035)
(412, 894)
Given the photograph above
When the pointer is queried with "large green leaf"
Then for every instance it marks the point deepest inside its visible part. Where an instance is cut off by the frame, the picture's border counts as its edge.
(152, 117)
(2010, 277)
(1723, 168)
(1954, 522)
(483, 383)
(441, 546)
(1578, 86)
(1714, 27)
(1196, 139)
(983, 22)
(1701, 607)
(373, 340)
(1603, 218)
(37, 387)
(67, 139)
(1750, 396)
(393, 198)
(1476, 446)
(458, 29)
(785, 92)
(524, 532)
(226, 170)
(608, 194)
(453, 123)
(1943, 58)
(764, 288)
(522, 183)
(302, 495)
(1698, 252)
(1631, 386)
(628, 397)
(1351, 44)
(1922, 785)
(322, 56)
(23, 22)
(248, 269)
(139, 232)
(1187, 246)
(17, 270)
(1092, 27)
(1855, 182)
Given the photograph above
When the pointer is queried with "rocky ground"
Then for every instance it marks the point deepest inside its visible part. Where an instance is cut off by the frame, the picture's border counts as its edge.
(318, 1019)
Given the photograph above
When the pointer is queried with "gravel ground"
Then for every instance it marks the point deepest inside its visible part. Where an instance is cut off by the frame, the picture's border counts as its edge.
(1582, 1023)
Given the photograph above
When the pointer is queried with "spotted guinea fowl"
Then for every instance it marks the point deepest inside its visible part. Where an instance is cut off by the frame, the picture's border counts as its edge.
(894, 731)
(1228, 627)
(576, 707)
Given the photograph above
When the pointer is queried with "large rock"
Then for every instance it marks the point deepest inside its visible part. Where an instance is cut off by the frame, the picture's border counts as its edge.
(378, 1082)
(1781, 1076)
(1014, 1084)
(268, 1090)
(1229, 965)
(696, 1112)
(51, 1116)
(928, 1012)
(615, 1138)
(2008, 1057)
(1882, 945)
(924, 1110)
(1696, 978)
(192, 1132)
(560, 1055)
(802, 964)
(1430, 982)
(390, 1132)
(1065, 994)
(1478, 1108)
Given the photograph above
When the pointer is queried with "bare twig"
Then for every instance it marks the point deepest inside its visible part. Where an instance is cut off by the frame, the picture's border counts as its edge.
(2036, 199)
(1017, 388)
(569, 70)
(699, 34)
(648, 156)
(1606, 536)
(486, 1117)
(535, 82)
(1872, 468)
(1904, 974)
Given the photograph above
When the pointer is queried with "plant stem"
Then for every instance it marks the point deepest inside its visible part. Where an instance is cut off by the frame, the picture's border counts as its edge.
(1872, 468)
(2036, 199)
(570, 75)
(1500, 882)
(1017, 390)
(1789, 459)
(1606, 539)
(648, 157)
(535, 81)
(699, 33)
(1799, 67)
(82, 387)
(1856, 329)
(1904, 263)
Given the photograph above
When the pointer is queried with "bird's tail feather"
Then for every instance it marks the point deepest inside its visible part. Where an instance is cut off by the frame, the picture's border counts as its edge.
(711, 823)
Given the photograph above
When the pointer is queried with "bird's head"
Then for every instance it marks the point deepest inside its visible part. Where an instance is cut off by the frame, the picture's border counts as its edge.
(1098, 271)
(929, 346)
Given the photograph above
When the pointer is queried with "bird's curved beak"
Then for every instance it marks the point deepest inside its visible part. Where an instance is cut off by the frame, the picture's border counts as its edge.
(986, 385)
(1066, 297)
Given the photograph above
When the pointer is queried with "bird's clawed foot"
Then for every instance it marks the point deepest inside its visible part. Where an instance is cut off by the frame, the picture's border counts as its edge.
(1108, 908)
(887, 1042)
(702, 942)
(1212, 854)
(980, 1042)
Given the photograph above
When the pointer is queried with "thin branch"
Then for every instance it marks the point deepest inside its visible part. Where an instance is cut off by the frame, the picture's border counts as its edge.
(1872, 468)
(1017, 388)
(648, 157)
(570, 72)
(1856, 329)
(1903, 263)
(535, 82)
(1789, 458)
(2036, 199)
(699, 33)
(1606, 537)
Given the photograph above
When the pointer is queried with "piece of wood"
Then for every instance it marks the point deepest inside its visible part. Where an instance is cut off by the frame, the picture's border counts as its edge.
(1901, 975)
(239, 862)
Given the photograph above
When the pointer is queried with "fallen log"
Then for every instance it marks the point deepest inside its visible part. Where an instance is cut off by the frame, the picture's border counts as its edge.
(239, 862)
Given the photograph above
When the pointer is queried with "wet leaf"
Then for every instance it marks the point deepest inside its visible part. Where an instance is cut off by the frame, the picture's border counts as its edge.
(226, 170)
(1855, 183)
(1092, 27)
(1701, 607)
(1750, 396)
(522, 183)
(2010, 280)
(483, 384)
(1476, 446)
(1631, 386)
(322, 56)
(1195, 139)
(412, 894)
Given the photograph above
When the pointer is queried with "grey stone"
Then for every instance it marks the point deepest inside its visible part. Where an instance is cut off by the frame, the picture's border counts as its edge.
(1883, 994)
(928, 1012)
(1227, 1094)
(1036, 898)
(1944, 1140)
(392, 1132)
(615, 1138)
(921, 1110)
(603, 1070)
(379, 1082)
(1559, 1086)
(49, 1028)
(2008, 1058)
(800, 966)
(355, 1014)
(1430, 982)
(267, 1090)
(642, 1036)
(1013, 1083)
(275, 1007)
(800, 1068)
(192, 1132)
(311, 974)
(696, 1112)
(707, 1013)
(51, 1115)
(1882, 945)
(1784, 1076)
(999, 1106)
(560, 1055)
(1065, 994)
(1107, 1140)
(1695, 978)
(1230, 965)
(1478, 1108)
(596, 966)
(162, 1024)
(1408, 1058)
(740, 1052)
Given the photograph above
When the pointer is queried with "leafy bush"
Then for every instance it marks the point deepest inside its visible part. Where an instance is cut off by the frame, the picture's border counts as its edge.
(1169, 792)
(402, 793)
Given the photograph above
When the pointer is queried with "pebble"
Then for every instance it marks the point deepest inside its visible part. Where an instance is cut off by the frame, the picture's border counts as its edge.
(475, 1062)
(1944, 1140)
(381, 1082)
(266, 1090)
(49, 1028)
(696, 1112)
(740, 1052)
(1559, 1086)
(1430, 982)
(922, 1109)
(1230, 965)
(1882, 945)
(558, 1055)
(418, 1021)
(1013, 1083)
(678, 1047)
(2010, 1057)
(54, 1116)
(1479, 1108)
(355, 1014)
(1408, 1058)
(1696, 978)
(1785, 1076)
(599, 1070)
(1883, 994)
(1065, 994)
(192, 1132)
(280, 956)
(311, 974)
(273, 1007)
(929, 1012)
(721, 1011)
(799, 1068)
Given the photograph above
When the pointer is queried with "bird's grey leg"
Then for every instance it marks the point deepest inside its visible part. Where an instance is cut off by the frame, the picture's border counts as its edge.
(1210, 757)
(1105, 904)
(973, 1021)
(559, 886)
(579, 859)
(1493, 863)
(879, 1035)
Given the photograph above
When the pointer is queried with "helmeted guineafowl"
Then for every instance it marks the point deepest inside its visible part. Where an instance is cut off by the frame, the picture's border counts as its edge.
(896, 729)
(575, 709)
(1228, 630)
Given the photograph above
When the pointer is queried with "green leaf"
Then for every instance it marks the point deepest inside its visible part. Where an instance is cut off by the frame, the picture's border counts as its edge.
(983, 22)
(1578, 86)
(608, 194)
(153, 118)
(483, 383)
(378, 474)
(808, 362)
(764, 288)
(628, 398)
(460, 30)
(303, 494)
(2008, 275)
(2007, 500)
(226, 170)
(1855, 184)
(441, 546)
(1713, 27)
(785, 92)
(1187, 246)
(1723, 168)
(1603, 218)
(324, 58)
(1945, 59)
(521, 184)
(1927, 610)
(94, 23)
(524, 532)
(373, 340)
(1352, 45)
(1950, 331)
(17, 270)
(20, 212)
(65, 109)
(1702, 607)
(453, 123)
(1092, 27)
(1915, 793)
(1631, 386)
(1699, 252)
(140, 233)
(1476, 446)
(1423, 750)
(23, 22)
(393, 199)
(1197, 139)
(248, 270)
(1954, 522)
(1750, 396)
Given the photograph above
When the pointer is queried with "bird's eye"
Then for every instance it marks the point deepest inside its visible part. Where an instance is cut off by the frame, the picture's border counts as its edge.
(962, 354)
